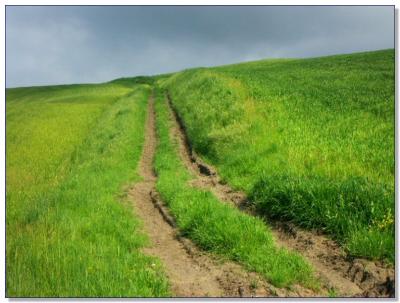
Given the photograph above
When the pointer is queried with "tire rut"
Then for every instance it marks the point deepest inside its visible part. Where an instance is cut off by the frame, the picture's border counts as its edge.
(191, 272)
(336, 270)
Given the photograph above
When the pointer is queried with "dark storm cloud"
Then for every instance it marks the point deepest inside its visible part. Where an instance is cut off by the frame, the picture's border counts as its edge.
(48, 45)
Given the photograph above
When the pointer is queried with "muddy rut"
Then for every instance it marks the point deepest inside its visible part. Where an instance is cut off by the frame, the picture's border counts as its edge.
(191, 272)
(338, 273)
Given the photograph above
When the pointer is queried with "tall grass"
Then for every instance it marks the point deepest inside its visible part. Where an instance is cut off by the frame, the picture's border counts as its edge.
(218, 227)
(310, 140)
(70, 149)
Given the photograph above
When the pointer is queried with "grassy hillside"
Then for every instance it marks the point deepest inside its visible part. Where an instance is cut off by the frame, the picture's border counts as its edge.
(70, 149)
(310, 140)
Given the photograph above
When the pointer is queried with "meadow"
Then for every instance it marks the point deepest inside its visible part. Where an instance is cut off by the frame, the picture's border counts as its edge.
(70, 231)
(309, 140)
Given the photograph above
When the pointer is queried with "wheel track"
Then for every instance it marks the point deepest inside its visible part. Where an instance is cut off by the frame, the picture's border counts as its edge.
(191, 272)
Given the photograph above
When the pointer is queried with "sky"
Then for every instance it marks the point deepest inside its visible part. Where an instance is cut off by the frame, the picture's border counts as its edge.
(87, 44)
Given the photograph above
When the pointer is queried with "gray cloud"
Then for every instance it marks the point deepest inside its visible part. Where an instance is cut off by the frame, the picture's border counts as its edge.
(69, 44)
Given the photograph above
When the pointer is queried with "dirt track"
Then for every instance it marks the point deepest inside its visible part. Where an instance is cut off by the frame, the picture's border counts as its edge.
(348, 277)
(191, 272)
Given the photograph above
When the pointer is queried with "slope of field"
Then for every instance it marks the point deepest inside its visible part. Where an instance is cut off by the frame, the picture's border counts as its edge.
(69, 151)
(229, 151)
(309, 140)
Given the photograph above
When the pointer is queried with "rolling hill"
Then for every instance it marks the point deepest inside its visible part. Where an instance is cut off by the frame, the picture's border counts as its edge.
(251, 165)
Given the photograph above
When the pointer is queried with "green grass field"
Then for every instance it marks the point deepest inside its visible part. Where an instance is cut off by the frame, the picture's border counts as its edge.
(309, 140)
(70, 149)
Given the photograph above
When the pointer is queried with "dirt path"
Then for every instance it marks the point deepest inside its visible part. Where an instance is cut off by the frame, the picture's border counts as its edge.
(191, 272)
(347, 277)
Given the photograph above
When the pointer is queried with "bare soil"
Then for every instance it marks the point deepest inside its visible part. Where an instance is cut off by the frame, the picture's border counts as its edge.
(191, 272)
(337, 271)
